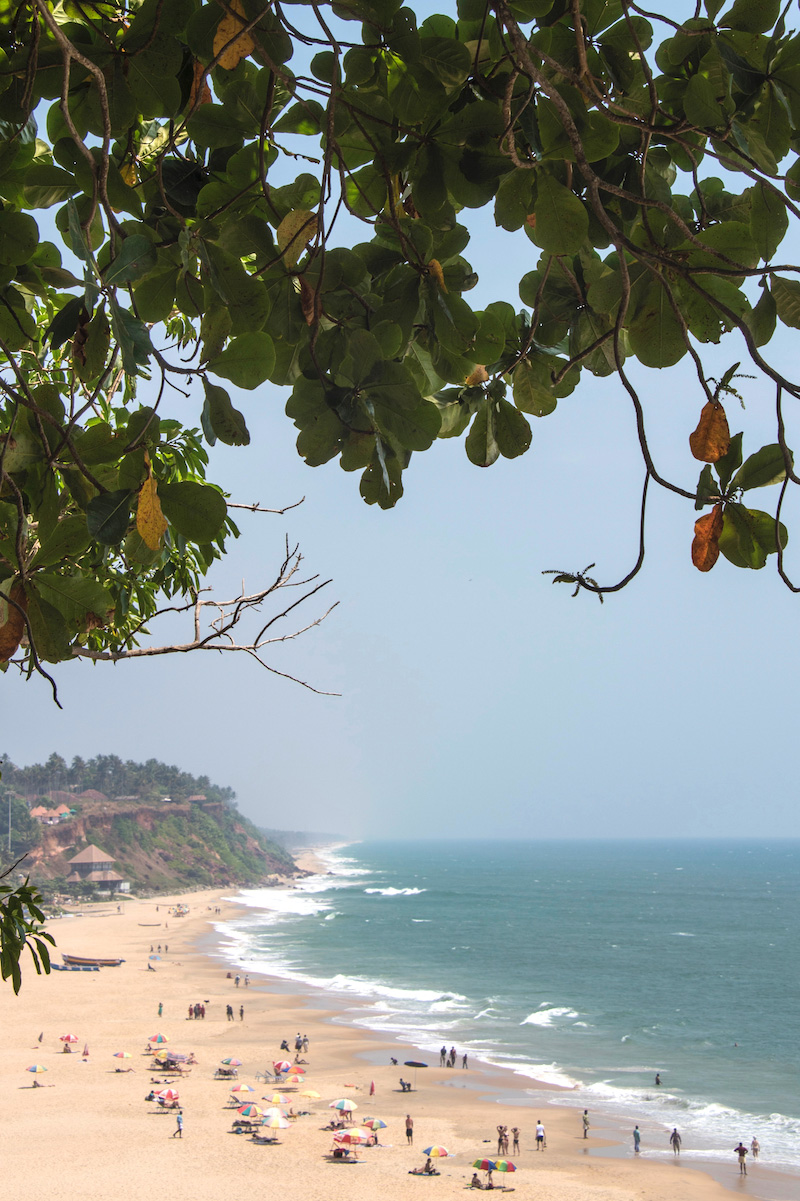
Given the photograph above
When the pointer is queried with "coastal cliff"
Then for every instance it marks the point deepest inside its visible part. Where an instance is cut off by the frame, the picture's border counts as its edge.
(161, 847)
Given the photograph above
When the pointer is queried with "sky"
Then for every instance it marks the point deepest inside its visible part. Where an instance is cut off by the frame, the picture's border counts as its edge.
(477, 699)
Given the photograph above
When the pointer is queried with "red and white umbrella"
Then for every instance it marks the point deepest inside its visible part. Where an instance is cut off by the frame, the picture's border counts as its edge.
(358, 1137)
(69, 1038)
(168, 1094)
(282, 1065)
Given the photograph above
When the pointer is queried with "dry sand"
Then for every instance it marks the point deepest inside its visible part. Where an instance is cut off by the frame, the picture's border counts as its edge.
(90, 1134)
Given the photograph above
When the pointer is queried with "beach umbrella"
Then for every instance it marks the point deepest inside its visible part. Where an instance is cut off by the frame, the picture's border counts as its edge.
(36, 1067)
(275, 1111)
(344, 1105)
(276, 1121)
(122, 1055)
(436, 1152)
(293, 1079)
(69, 1038)
(242, 1088)
(484, 1165)
(376, 1124)
(158, 1039)
(281, 1065)
(355, 1137)
(504, 1165)
(232, 1063)
(278, 1099)
(295, 1070)
(414, 1063)
(153, 956)
(311, 1093)
(168, 1094)
(250, 1110)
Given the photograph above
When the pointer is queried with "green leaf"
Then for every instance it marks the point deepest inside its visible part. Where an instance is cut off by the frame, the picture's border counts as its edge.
(68, 540)
(767, 466)
(226, 422)
(655, 335)
(786, 294)
(82, 602)
(730, 462)
(155, 295)
(98, 444)
(769, 220)
(19, 236)
(136, 258)
(751, 16)
(701, 105)
(481, 443)
(66, 321)
(247, 361)
(511, 430)
(749, 536)
(529, 394)
(48, 627)
(707, 489)
(108, 516)
(562, 222)
(197, 511)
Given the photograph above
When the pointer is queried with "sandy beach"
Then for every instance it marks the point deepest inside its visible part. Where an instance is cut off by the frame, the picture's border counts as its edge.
(88, 1132)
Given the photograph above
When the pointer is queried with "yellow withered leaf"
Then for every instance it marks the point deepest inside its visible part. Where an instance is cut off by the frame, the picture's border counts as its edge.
(712, 438)
(295, 230)
(705, 547)
(229, 30)
(478, 376)
(150, 521)
(128, 173)
(435, 268)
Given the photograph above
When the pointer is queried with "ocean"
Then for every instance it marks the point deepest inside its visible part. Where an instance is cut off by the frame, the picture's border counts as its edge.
(591, 965)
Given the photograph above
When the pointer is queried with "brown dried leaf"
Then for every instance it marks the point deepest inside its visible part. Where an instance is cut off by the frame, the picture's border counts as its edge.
(712, 438)
(705, 547)
(230, 30)
(479, 376)
(80, 339)
(435, 268)
(200, 91)
(13, 628)
(150, 521)
(309, 302)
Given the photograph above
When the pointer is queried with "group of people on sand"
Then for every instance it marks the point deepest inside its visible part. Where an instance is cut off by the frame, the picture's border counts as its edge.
(447, 1059)
(502, 1139)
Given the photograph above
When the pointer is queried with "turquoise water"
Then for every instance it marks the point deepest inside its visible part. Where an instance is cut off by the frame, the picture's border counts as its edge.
(590, 964)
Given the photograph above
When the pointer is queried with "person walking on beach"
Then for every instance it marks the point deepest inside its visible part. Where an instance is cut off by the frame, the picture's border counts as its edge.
(755, 1147)
(501, 1134)
(637, 1138)
(409, 1128)
(160, 1009)
(515, 1133)
(586, 1123)
(179, 1128)
(464, 1062)
(442, 1057)
(675, 1140)
(241, 1013)
(541, 1139)
(741, 1151)
(236, 980)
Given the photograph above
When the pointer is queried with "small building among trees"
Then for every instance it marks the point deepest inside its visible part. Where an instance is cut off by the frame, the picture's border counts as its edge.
(93, 866)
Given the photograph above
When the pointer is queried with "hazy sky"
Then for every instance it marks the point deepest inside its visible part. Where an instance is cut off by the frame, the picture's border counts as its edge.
(477, 698)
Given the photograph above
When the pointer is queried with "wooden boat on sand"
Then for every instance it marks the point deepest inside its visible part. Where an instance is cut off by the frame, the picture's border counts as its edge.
(81, 961)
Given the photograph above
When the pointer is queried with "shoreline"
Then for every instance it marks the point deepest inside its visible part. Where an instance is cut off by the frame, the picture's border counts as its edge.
(501, 1085)
(94, 1131)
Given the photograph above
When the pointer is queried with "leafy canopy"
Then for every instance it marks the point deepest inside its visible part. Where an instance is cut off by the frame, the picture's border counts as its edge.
(256, 193)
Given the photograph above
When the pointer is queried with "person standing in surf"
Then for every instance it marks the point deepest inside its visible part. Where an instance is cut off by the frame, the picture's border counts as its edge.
(637, 1138)
(741, 1151)
(586, 1123)
(675, 1141)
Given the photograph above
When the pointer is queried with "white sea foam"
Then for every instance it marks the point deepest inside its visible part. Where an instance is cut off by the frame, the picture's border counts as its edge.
(682, 934)
(396, 892)
(549, 1016)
